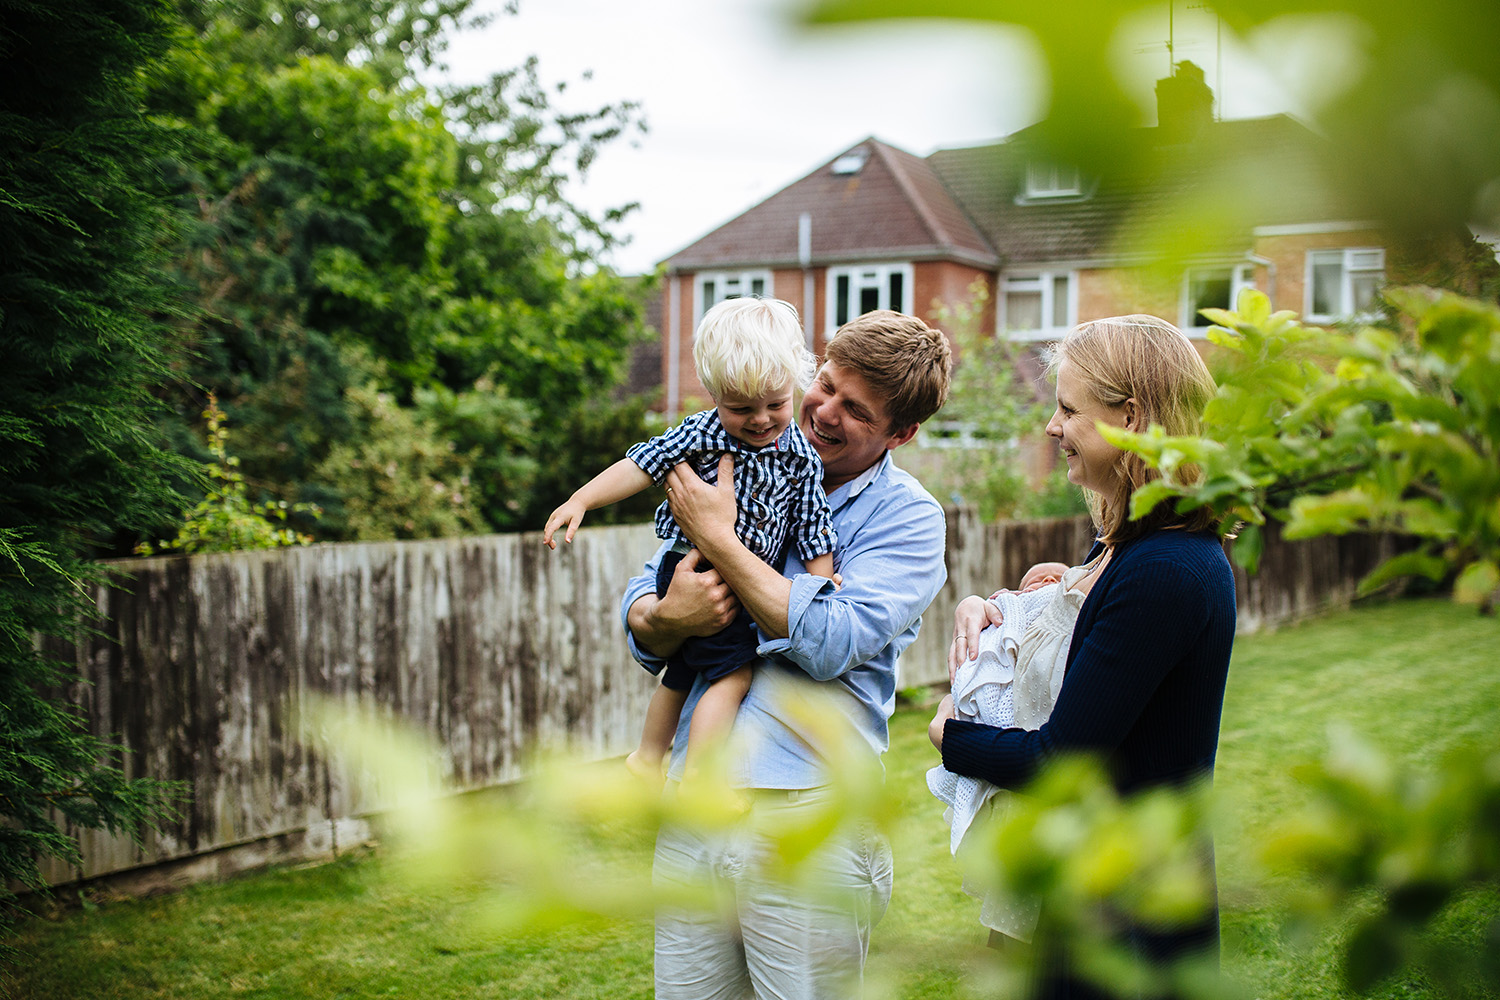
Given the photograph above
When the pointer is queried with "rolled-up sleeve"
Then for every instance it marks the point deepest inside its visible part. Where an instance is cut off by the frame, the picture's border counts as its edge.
(892, 572)
(636, 588)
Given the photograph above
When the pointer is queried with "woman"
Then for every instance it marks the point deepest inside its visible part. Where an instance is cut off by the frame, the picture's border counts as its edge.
(1146, 667)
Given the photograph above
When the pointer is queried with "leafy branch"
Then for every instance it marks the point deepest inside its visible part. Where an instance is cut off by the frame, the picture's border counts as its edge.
(1391, 426)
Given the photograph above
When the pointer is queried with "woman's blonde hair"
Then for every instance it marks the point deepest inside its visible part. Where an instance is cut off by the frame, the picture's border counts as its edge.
(751, 347)
(1149, 360)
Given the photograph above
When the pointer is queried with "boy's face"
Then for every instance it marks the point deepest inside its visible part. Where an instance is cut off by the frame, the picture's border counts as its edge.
(756, 420)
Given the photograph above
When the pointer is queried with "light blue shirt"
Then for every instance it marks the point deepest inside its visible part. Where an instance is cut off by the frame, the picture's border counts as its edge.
(891, 535)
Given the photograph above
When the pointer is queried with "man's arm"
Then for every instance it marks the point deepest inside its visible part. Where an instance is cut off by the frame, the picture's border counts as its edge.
(706, 513)
(893, 569)
(697, 602)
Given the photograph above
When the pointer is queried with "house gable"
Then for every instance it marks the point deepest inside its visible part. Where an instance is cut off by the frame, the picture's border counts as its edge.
(871, 202)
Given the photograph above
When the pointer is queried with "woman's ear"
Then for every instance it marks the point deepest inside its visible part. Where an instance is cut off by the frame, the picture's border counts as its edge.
(1133, 415)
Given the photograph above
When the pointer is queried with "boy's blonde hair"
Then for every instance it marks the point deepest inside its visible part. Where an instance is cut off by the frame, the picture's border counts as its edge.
(751, 347)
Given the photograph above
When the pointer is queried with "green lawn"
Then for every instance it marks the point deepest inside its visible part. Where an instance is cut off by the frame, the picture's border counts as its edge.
(1417, 676)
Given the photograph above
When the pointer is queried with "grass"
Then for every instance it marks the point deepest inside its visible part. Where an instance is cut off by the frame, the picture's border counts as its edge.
(1416, 676)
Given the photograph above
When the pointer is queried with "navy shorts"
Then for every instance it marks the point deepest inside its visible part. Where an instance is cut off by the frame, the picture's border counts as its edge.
(713, 656)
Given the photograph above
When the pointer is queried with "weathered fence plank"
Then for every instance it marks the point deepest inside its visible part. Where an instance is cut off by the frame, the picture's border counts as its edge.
(494, 646)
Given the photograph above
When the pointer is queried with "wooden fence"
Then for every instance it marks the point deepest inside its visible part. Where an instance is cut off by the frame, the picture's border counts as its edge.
(494, 646)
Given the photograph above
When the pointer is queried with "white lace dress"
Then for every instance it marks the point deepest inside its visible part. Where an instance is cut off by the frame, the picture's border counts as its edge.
(1013, 684)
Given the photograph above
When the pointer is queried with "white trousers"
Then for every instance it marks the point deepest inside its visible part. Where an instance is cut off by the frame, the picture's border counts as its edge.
(751, 931)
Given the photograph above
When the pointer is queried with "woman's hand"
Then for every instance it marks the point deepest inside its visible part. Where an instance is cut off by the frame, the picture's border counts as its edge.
(971, 617)
(935, 727)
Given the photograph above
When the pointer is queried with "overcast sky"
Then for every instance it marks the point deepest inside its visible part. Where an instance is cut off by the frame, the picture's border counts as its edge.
(740, 102)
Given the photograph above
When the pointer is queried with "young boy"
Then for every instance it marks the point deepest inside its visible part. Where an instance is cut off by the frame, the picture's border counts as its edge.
(750, 357)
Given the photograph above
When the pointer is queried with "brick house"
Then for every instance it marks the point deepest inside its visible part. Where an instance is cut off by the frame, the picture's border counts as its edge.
(878, 227)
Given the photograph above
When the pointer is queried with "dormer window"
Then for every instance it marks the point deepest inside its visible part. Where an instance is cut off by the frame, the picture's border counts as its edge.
(1048, 180)
(851, 162)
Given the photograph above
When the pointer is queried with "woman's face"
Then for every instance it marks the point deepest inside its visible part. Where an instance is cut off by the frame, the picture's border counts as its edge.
(1090, 458)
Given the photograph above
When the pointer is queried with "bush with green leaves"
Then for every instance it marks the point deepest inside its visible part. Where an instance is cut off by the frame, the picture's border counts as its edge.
(995, 409)
(1390, 426)
(226, 520)
(337, 208)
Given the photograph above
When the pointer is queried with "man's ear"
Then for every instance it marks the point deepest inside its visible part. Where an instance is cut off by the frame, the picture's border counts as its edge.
(898, 438)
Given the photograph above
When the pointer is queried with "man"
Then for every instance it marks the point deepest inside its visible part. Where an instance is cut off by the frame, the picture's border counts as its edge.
(885, 373)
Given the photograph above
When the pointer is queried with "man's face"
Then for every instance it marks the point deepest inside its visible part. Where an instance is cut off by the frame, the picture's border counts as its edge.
(848, 424)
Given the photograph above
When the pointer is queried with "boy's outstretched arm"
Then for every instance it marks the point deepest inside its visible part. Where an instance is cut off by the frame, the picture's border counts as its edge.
(621, 480)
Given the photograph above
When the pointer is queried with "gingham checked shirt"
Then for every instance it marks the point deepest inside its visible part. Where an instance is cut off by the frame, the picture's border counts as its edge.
(778, 488)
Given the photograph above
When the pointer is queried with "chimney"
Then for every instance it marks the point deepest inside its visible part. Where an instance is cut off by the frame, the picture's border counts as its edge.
(1184, 104)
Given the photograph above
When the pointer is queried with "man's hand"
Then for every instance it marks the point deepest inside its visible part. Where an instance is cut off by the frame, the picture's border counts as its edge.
(696, 603)
(704, 511)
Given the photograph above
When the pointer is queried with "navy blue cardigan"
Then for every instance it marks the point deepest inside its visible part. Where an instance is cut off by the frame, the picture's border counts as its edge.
(1145, 675)
(1144, 688)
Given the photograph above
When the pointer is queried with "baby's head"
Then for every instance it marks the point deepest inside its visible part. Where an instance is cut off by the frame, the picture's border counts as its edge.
(750, 357)
(1040, 575)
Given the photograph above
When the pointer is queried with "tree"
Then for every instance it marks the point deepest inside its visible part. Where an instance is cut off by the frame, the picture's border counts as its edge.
(345, 212)
(993, 399)
(80, 266)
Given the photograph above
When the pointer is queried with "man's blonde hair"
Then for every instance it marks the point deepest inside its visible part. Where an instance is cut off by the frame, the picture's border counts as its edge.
(751, 347)
(905, 361)
(1151, 361)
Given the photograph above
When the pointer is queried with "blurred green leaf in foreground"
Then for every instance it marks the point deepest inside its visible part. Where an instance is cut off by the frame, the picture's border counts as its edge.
(1407, 95)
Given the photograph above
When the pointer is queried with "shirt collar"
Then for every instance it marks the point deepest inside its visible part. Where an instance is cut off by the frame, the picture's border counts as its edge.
(855, 486)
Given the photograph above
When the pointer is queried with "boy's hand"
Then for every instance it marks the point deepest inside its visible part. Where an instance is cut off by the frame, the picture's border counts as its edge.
(571, 514)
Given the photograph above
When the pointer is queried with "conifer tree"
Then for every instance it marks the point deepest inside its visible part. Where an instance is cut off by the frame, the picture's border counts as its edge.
(80, 305)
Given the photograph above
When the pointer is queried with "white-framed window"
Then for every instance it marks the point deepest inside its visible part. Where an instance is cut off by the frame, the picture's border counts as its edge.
(1342, 283)
(712, 287)
(854, 291)
(1213, 287)
(1038, 305)
(1048, 180)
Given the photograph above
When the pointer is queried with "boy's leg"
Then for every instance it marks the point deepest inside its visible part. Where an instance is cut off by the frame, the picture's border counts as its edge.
(713, 716)
(656, 736)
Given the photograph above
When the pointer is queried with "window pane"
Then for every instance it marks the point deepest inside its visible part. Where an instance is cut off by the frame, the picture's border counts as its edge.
(1023, 310)
(841, 301)
(869, 299)
(1207, 290)
(1060, 300)
(708, 294)
(1363, 285)
(898, 300)
(758, 286)
(1326, 278)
